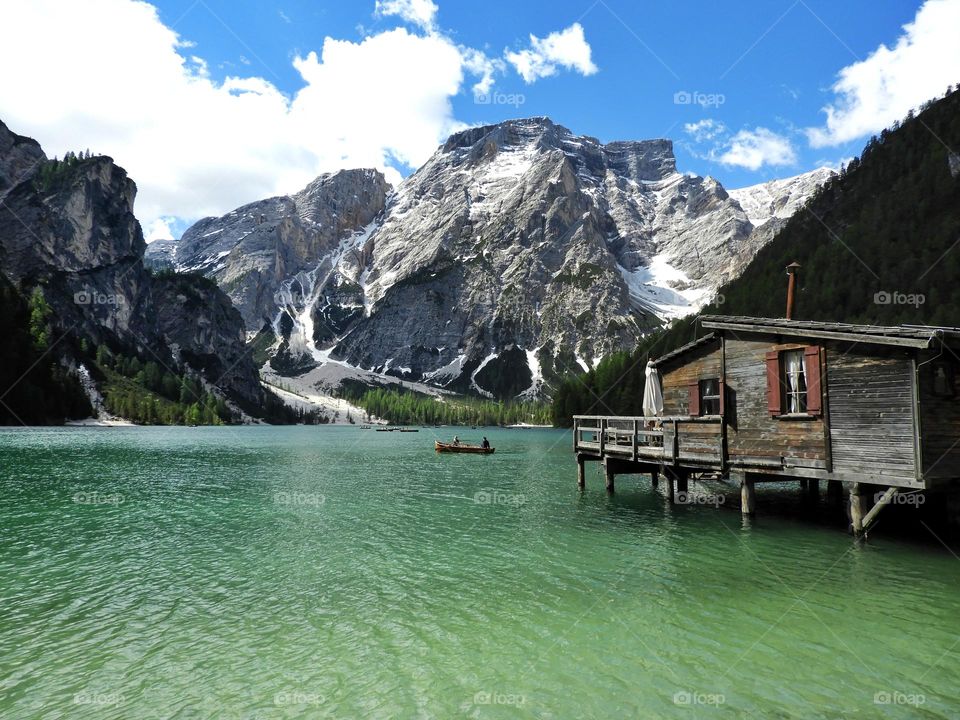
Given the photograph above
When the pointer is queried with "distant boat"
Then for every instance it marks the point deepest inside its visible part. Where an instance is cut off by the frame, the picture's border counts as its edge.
(384, 429)
(409, 430)
(462, 448)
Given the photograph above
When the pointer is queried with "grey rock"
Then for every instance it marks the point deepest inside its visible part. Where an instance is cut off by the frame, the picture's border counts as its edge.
(518, 252)
(252, 251)
(70, 230)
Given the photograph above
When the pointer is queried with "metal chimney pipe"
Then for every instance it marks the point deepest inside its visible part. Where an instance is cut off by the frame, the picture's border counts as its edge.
(791, 286)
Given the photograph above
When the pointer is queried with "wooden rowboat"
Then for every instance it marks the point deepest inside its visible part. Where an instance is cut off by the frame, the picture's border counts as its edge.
(461, 448)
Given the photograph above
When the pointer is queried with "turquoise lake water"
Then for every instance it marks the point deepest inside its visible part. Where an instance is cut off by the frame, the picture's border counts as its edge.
(268, 572)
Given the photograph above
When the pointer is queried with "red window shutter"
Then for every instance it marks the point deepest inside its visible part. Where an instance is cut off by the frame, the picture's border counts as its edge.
(723, 396)
(811, 363)
(694, 389)
(774, 402)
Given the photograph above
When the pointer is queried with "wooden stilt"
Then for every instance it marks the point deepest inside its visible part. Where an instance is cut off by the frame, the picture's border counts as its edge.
(953, 505)
(682, 484)
(581, 472)
(609, 475)
(803, 483)
(813, 488)
(834, 490)
(748, 498)
(655, 478)
(670, 489)
(856, 508)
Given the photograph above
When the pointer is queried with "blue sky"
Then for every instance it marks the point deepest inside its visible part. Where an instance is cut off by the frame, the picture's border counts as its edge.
(212, 103)
(770, 64)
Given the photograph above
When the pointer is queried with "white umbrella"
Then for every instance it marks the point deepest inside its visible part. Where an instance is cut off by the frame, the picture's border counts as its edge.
(652, 393)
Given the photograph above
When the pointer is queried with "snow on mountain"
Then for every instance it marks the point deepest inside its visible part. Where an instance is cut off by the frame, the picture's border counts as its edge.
(519, 251)
(779, 198)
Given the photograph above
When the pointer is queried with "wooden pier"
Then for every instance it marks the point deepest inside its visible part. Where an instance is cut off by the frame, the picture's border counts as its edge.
(875, 410)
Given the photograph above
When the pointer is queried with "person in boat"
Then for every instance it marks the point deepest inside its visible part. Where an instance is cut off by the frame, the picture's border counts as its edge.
(485, 444)
(456, 439)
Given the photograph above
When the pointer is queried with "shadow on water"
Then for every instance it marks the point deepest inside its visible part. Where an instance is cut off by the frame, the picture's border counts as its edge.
(923, 522)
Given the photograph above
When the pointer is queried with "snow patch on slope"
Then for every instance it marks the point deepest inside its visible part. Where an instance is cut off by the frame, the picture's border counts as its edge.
(473, 376)
(536, 373)
(663, 289)
(779, 198)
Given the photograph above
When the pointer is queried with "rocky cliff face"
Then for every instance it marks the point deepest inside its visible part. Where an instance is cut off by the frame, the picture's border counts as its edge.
(263, 254)
(517, 252)
(68, 227)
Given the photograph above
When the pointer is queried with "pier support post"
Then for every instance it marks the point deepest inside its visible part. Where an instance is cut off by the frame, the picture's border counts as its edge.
(609, 475)
(813, 488)
(654, 478)
(803, 483)
(581, 472)
(857, 495)
(834, 490)
(748, 497)
(682, 484)
(953, 505)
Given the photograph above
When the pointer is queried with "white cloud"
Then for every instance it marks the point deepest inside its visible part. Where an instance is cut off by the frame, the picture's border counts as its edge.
(752, 149)
(110, 76)
(159, 229)
(198, 147)
(704, 130)
(482, 66)
(565, 48)
(875, 92)
(422, 13)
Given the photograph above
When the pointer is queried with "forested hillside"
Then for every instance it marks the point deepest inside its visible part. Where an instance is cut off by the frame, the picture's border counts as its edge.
(879, 243)
(35, 389)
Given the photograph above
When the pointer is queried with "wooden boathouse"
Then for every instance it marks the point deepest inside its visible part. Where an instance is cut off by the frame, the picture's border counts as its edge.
(873, 409)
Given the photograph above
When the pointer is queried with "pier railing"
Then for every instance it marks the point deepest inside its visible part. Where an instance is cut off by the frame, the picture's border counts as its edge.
(666, 440)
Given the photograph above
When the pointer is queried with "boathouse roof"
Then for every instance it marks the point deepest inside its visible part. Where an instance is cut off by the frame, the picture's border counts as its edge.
(914, 336)
(683, 349)
(911, 335)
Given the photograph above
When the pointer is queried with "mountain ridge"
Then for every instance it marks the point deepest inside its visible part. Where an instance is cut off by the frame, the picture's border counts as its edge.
(516, 252)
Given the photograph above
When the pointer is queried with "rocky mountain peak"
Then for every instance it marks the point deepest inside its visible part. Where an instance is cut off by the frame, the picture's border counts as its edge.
(518, 251)
(19, 156)
(641, 160)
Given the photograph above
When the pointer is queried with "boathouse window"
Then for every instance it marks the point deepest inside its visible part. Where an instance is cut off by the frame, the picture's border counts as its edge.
(943, 379)
(793, 382)
(706, 397)
(709, 396)
(796, 385)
